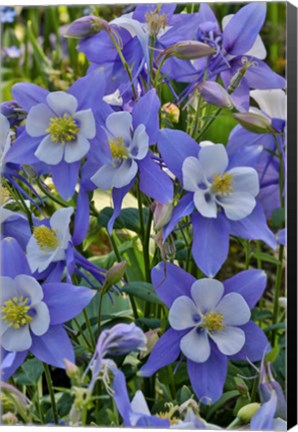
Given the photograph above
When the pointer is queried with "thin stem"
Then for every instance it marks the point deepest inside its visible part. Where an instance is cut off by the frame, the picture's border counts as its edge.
(88, 324)
(277, 292)
(27, 211)
(49, 195)
(99, 313)
(247, 254)
(81, 333)
(51, 391)
(209, 123)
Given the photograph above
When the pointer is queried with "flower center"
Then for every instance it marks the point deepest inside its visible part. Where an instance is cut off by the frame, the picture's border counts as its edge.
(118, 148)
(63, 129)
(46, 238)
(212, 321)
(169, 415)
(15, 312)
(155, 22)
(4, 195)
(222, 184)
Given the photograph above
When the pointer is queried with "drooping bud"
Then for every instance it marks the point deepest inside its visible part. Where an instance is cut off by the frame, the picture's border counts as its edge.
(114, 275)
(269, 385)
(72, 370)
(255, 123)
(86, 26)
(215, 94)
(246, 413)
(189, 50)
(121, 339)
(170, 111)
(162, 213)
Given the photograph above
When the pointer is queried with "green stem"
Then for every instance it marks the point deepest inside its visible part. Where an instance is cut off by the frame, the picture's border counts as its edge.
(99, 313)
(27, 211)
(247, 254)
(49, 195)
(81, 333)
(209, 123)
(51, 392)
(277, 292)
(235, 423)
(88, 324)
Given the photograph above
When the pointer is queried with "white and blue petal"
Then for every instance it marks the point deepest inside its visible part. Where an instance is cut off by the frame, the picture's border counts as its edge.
(16, 339)
(183, 313)
(214, 159)
(207, 293)
(62, 103)
(38, 120)
(245, 179)
(237, 205)
(49, 152)
(193, 175)
(140, 143)
(119, 124)
(229, 341)
(195, 345)
(86, 123)
(234, 309)
(41, 320)
(77, 149)
(8, 289)
(27, 286)
(118, 176)
(205, 203)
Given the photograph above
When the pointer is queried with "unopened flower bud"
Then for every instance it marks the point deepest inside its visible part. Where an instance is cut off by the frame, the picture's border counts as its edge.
(114, 275)
(9, 419)
(152, 338)
(170, 111)
(255, 123)
(121, 339)
(72, 371)
(246, 413)
(86, 26)
(13, 112)
(215, 94)
(162, 213)
(189, 50)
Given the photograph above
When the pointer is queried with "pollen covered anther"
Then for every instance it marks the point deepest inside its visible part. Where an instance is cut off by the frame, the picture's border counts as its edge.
(222, 184)
(45, 237)
(118, 148)
(63, 129)
(15, 312)
(213, 321)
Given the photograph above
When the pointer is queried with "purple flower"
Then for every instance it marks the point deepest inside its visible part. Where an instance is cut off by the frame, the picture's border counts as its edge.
(32, 315)
(209, 325)
(12, 51)
(7, 14)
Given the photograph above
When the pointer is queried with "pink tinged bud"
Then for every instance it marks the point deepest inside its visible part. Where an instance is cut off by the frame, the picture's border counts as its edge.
(114, 275)
(9, 419)
(162, 213)
(215, 94)
(170, 111)
(189, 50)
(255, 123)
(72, 371)
(86, 26)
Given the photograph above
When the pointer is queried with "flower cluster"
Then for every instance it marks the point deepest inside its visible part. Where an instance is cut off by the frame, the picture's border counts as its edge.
(155, 305)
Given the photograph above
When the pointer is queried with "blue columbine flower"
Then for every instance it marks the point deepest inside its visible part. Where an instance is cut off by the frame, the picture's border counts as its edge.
(32, 315)
(7, 14)
(217, 181)
(210, 323)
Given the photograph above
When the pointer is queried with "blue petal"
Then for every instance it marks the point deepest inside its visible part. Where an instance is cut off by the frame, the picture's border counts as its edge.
(23, 149)
(146, 112)
(81, 222)
(247, 157)
(243, 29)
(10, 361)
(184, 207)
(208, 378)
(141, 10)
(256, 343)
(65, 177)
(65, 301)
(152, 422)
(171, 282)
(254, 227)
(121, 396)
(13, 258)
(27, 95)
(175, 146)
(249, 283)
(206, 15)
(118, 195)
(18, 228)
(53, 347)
(165, 351)
(155, 182)
(263, 419)
(210, 242)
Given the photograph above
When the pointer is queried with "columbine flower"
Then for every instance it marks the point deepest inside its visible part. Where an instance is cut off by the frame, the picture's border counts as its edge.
(64, 131)
(32, 315)
(7, 14)
(126, 148)
(213, 185)
(209, 324)
(49, 242)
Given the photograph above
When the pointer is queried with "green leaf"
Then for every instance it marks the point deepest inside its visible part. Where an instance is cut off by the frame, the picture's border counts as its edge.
(129, 218)
(30, 372)
(278, 218)
(142, 290)
(225, 398)
(263, 256)
(272, 355)
(64, 404)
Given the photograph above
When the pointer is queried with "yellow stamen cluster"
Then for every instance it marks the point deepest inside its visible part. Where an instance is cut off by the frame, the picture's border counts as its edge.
(222, 184)
(169, 415)
(118, 148)
(4, 195)
(15, 312)
(155, 22)
(46, 238)
(63, 129)
(213, 321)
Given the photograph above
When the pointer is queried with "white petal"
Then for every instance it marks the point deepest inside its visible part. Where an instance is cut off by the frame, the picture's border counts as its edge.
(8, 289)
(28, 286)
(195, 345)
(62, 103)
(207, 293)
(41, 320)
(114, 99)
(272, 102)
(4, 131)
(49, 151)
(237, 205)
(230, 340)
(16, 339)
(76, 150)
(103, 178)
(139, 404)
(3, 326)
(258, 49)
(183, 313)
(119, 125)
(245, 179)
(234, 309)
(205, 204)
(193, 175)
(37, 258)
(86, 123)
(214, 159)
(60, 221)
(38, 120)
(109, 175)
(140, 143)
